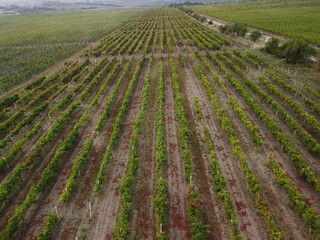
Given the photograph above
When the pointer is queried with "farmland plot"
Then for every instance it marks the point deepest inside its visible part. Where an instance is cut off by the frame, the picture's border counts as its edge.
(163, 130)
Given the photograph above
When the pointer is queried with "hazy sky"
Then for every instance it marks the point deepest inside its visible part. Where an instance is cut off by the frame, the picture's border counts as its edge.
(31, 2)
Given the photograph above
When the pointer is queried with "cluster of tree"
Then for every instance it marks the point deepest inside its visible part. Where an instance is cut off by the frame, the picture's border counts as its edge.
(236, 28)
(185, 4)
(294, 51)
(192, 14)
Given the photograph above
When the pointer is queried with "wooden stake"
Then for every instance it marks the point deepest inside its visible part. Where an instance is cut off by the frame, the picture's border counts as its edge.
(55, 207)
(90, 210)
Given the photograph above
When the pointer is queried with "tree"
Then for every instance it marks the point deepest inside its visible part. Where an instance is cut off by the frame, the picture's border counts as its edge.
(202, 19)
(296, 50)
(255, 35)
(242, 31)
(222, 28)
(272, 46)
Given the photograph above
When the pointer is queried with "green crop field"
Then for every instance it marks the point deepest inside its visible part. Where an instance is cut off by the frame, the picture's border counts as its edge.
(30, 44)
(289, 18)
(164, 129)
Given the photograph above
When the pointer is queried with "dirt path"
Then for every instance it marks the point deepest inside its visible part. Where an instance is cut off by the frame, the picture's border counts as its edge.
(143, 219)
(178, 224)
(51, 196)
(214, 209)
(257, 160)
(251, 224)
(76, 220)
(32, 175)
(106, 206)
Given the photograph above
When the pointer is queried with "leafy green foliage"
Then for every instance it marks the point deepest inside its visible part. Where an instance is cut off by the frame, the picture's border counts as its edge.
(116, 127)
(49, 226)
(253, 183)
(296, 50)
(48, 38)
(255, 35)
(195, 210)
(76, 168)
(308, 214)
(160, 201)
(122, 228)
(292, 18)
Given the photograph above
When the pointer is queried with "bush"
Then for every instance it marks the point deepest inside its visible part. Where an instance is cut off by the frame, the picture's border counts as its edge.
(236, 28)
(297, 50)
(255, 35)
(272, 46)
(242, 31)
(202, 19)
(223, 28)
(210, 22)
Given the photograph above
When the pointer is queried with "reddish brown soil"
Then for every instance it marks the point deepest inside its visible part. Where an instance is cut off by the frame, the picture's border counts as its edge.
(75, 221)
(178, 225)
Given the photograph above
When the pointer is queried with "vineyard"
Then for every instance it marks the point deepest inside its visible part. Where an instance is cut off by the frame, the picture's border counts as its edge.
(162, 130)
(31, 43)
(297, 19)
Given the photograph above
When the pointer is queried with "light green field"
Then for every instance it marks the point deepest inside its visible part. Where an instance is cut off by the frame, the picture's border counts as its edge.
(30, 44)
(289, 18)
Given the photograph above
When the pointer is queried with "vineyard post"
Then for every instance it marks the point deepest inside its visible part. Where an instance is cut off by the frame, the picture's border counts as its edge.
(49, 117)
(90, 210)
(55, 207)
(15, 105)
(7, 163)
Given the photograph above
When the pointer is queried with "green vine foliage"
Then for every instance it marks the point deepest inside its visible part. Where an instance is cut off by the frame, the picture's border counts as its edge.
(254, 185)
(50, 225)
(76, 168)
(122, 228)
(117, 126)
(195, 210)
(308, 214)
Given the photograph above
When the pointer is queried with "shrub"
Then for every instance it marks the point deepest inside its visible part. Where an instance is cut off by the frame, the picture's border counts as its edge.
(296, 50)
(236, 28)
(223, 28)
(272, 46)
(210, 22)
(255, 35)
(242, 31)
